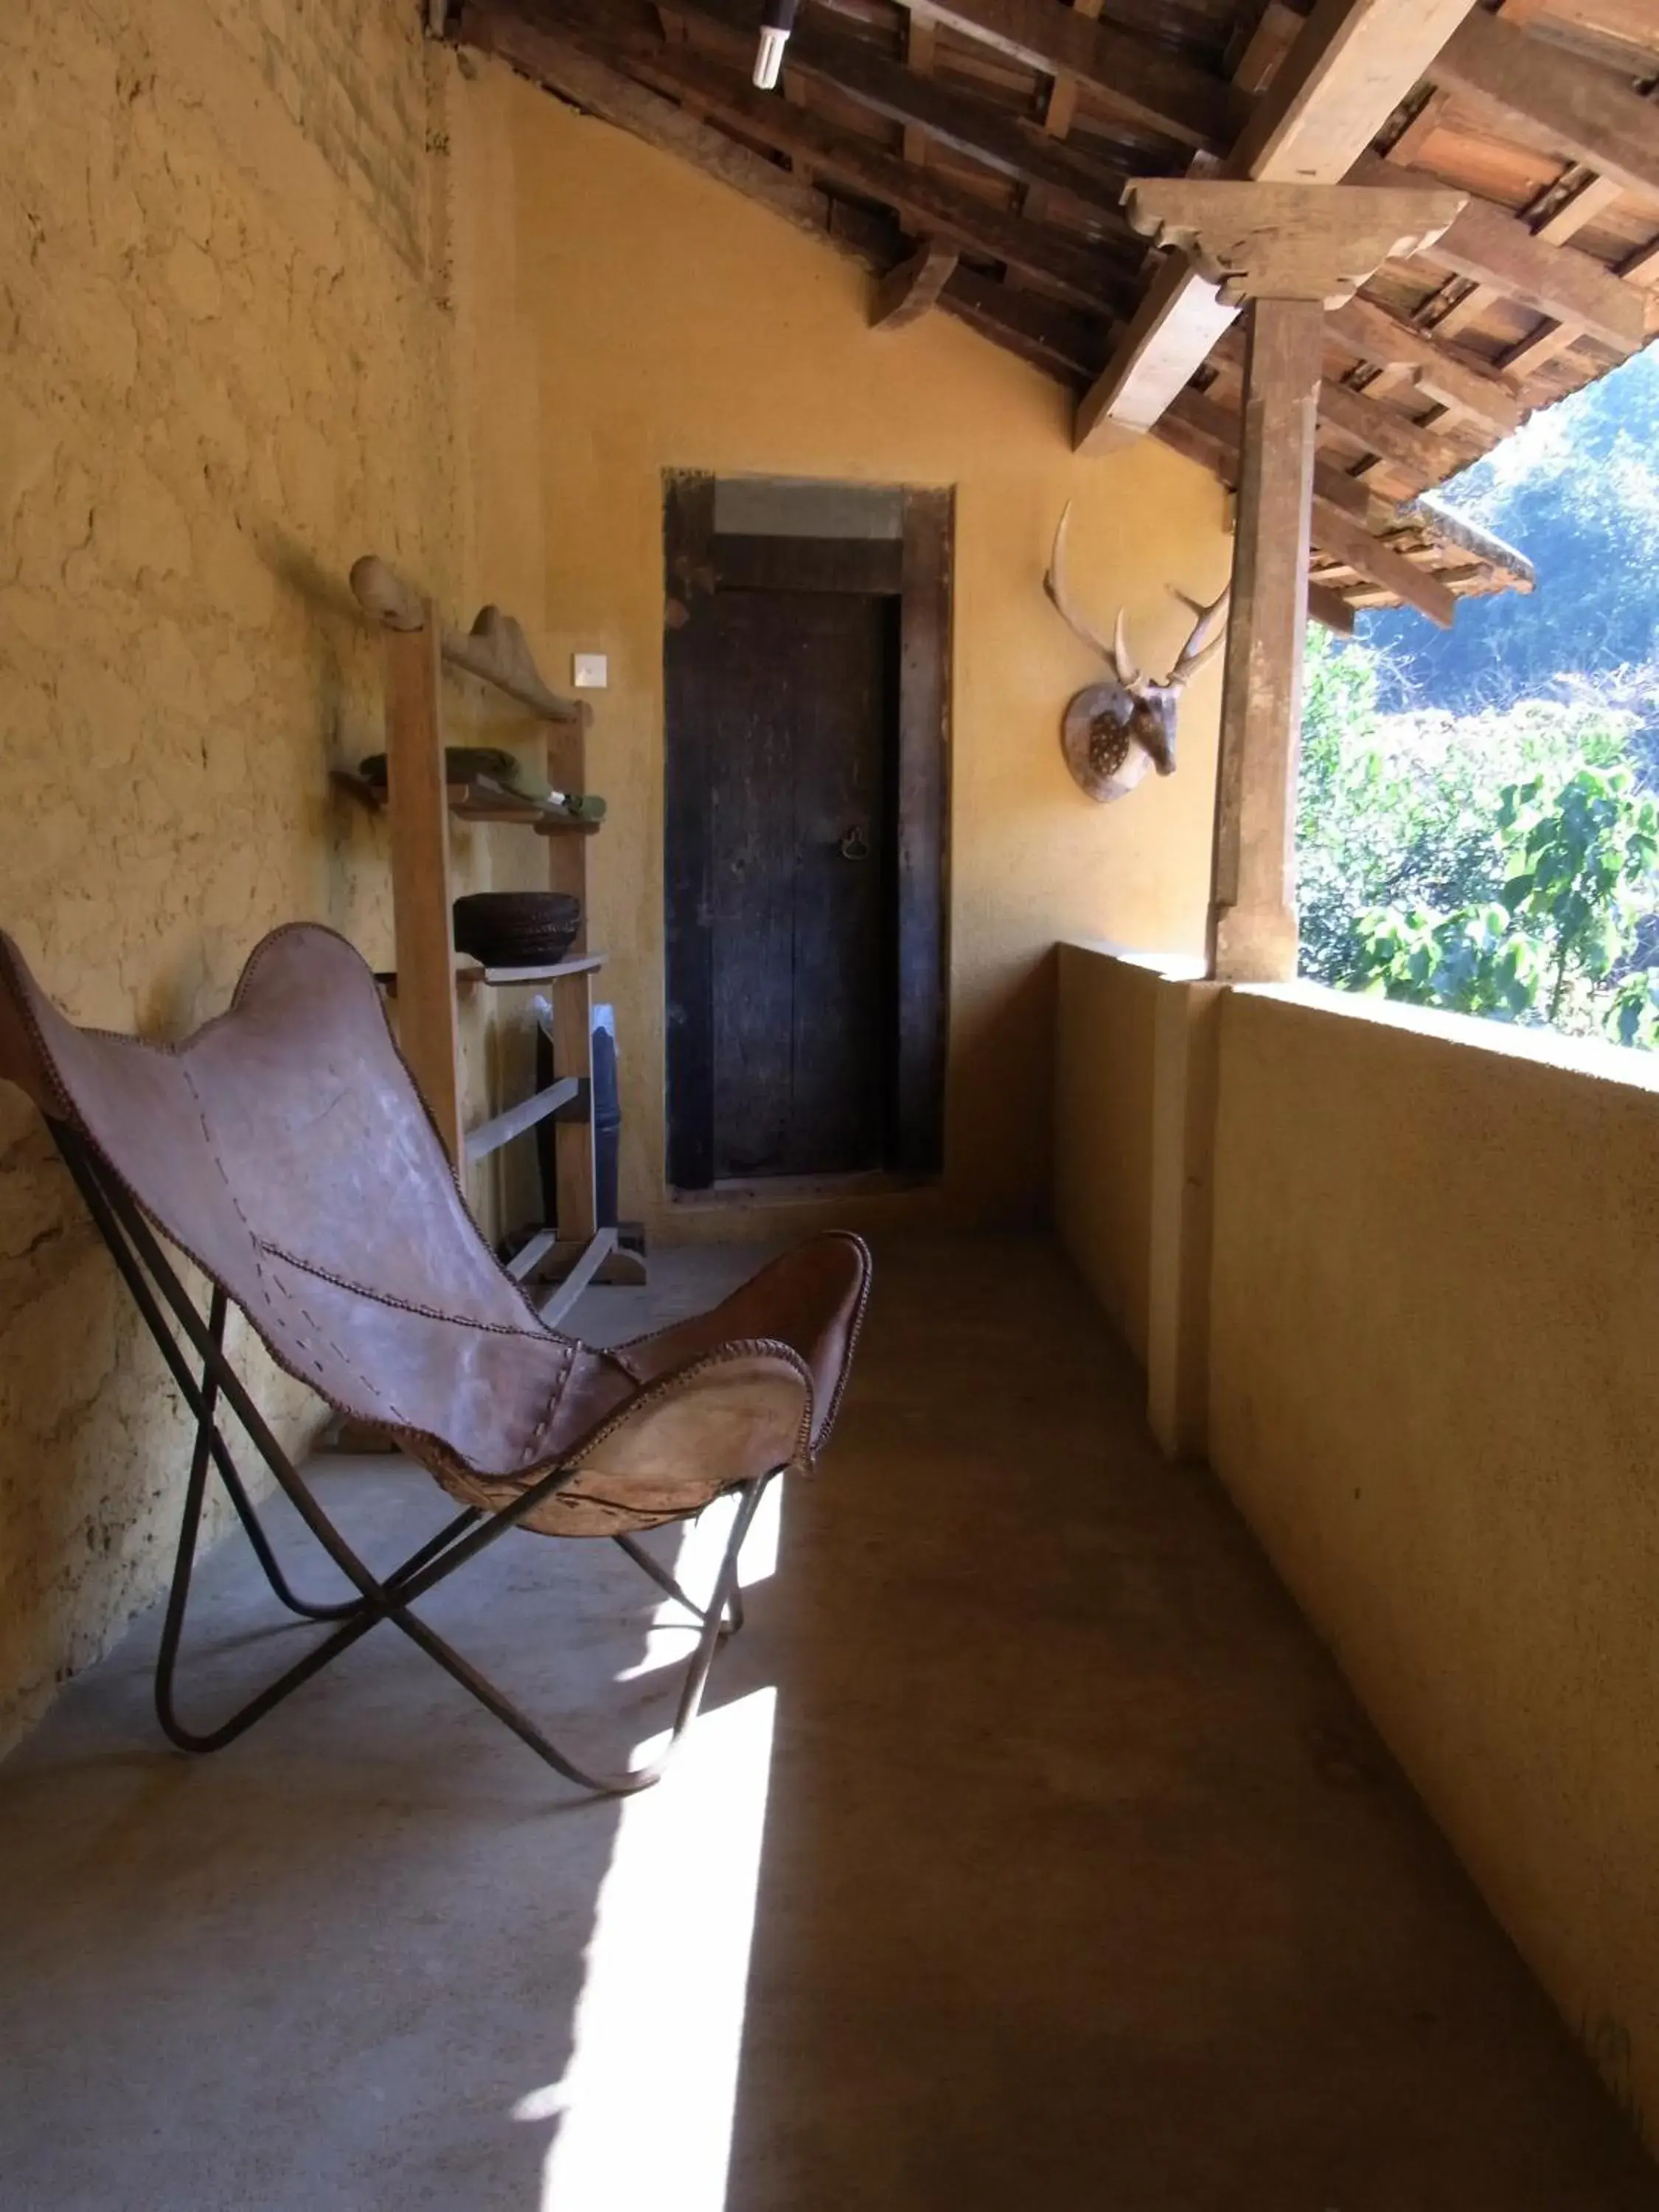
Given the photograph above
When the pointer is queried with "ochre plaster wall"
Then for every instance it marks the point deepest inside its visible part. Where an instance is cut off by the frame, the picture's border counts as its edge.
(1426, 1275)
(1434, 1393)
(225, 364)
(277, 286)
(665, 323)
(1105, 1042)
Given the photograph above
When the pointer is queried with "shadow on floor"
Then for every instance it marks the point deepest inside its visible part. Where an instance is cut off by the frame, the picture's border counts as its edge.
(1030, 1855)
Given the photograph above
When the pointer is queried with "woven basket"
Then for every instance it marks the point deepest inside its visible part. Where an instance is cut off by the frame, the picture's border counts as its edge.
(517, 929)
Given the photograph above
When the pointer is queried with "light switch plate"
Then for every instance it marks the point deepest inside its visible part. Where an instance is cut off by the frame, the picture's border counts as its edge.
(589, 671)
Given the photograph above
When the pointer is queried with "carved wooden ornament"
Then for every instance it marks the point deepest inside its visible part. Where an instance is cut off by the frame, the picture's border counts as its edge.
(1288, 241)
(1114, 731)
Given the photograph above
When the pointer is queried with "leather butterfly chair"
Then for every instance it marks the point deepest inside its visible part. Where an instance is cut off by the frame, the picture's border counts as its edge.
(285, 1150)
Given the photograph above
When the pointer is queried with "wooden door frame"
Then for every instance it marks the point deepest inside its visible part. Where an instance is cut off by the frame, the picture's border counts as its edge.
(916, 569)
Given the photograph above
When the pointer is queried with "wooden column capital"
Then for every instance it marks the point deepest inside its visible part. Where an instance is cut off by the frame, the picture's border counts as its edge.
(1316, 242)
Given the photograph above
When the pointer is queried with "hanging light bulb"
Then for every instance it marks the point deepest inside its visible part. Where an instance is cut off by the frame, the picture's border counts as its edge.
(776, 24)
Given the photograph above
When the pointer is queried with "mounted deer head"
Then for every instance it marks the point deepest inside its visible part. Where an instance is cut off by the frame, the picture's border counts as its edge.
(1114, 731)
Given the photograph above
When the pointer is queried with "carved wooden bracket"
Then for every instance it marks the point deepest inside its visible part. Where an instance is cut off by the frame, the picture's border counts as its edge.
(1288, 241)
(495, 649)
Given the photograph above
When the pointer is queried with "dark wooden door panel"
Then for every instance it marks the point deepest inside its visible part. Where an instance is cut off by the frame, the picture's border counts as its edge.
(808, 729)
(795, 690)
(689, 585)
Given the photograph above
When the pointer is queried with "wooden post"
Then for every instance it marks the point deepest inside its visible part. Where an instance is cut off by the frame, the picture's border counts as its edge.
(573, 1000)
(1252, 926)
(419, 808)
(1289, 251)
(572, 1142)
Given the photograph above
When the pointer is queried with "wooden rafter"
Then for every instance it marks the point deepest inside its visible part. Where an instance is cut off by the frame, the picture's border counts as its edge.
(1143, 79)
(1330, 608)
(1074, 269)
(1337, 533)
(1388, 434)
(906, 293)
(1020, 121)
(905, 96)
(1376, 336)
(1064, 346)
(1054, 340)
(553, 61)
(1354, 61)
(920, 40)
(1341, 508)
(1219, 423)
(1574, 106)
(1502, 252)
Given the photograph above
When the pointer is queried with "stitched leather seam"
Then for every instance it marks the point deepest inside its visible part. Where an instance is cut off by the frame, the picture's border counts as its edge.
(619, 1352)
(178, 1052)
(721, 1355)
(410, 1305)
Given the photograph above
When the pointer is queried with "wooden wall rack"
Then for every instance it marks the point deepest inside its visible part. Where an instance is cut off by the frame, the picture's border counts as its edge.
(428, 977)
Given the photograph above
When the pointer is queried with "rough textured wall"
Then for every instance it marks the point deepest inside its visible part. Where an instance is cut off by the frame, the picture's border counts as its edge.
(1435, 1396)
(660, 321)
(224, 355)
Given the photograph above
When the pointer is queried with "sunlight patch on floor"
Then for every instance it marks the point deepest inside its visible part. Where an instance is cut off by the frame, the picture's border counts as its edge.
(672, 1631)
(645, 2110)
(646, 2107)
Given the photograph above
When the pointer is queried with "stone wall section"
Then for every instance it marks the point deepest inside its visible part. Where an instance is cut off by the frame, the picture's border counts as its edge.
(225, 371)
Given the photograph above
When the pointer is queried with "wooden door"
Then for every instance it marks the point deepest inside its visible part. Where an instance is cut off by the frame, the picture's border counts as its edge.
(807, 724)
(793, 694)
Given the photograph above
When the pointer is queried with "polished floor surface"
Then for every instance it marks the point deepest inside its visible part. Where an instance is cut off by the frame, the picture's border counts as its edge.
(1029, 1856)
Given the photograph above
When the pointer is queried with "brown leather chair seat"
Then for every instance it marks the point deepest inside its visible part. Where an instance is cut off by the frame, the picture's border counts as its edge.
(283, 1148)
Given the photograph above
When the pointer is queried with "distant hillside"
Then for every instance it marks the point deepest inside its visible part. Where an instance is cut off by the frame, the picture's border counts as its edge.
(1577, 490)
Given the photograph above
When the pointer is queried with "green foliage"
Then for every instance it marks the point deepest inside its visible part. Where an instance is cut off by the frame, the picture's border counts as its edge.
(1577, 490)
(1500, 863)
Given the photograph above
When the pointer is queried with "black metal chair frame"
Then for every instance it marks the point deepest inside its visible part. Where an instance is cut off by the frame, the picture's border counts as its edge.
(147, 1271)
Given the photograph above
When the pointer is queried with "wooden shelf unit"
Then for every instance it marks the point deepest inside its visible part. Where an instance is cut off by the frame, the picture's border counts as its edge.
(475, 802)
(419, 802)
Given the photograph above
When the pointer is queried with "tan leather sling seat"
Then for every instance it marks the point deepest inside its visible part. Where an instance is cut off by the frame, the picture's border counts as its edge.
(284, 1149)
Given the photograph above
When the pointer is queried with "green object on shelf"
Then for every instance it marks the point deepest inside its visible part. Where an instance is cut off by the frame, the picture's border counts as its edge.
(490, 765)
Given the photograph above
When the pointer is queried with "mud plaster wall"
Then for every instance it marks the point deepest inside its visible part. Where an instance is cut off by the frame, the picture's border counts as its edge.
(1434, 1397)
(640, 317)
(227, 365)
(278, 286)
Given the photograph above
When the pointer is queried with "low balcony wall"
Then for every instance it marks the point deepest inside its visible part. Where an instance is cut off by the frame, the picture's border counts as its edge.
(1106, 1045)
(1425, 1370)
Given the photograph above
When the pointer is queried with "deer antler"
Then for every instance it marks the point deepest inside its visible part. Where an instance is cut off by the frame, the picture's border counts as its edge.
(1117, 653)
(1207, 633)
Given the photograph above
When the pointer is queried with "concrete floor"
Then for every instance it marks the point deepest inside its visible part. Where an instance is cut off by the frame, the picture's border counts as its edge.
(1029, 1856)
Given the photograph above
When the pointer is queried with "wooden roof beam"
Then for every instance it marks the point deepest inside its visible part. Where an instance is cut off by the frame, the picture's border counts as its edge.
(1330, 608)
(553, 61)
(1501, 251)
(925, 203)
(1056, 340)
(1052, 339)
(1146, 80)
(1221, 425)
(1337, 533)
(1209, 435)
(1427, 457)
(1353, 63)
(908, 96)
(1363, 328)
(1543, 91)
(905, 293)
(920, 38)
